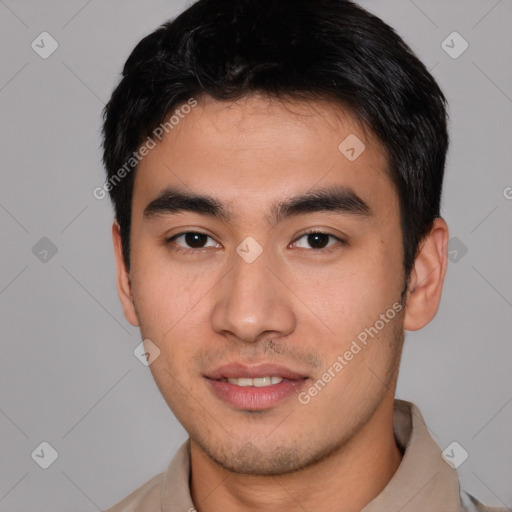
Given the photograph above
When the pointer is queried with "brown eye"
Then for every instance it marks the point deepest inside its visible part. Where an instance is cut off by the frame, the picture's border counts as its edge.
(192, 240)
(318, 240)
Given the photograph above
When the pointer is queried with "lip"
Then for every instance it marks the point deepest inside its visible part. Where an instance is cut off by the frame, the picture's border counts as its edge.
(234, 370)
(251, 398)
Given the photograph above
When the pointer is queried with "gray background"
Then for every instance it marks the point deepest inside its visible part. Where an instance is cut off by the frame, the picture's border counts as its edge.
(68, 373)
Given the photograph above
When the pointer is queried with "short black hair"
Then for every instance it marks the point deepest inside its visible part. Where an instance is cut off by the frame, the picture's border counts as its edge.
(300, 49)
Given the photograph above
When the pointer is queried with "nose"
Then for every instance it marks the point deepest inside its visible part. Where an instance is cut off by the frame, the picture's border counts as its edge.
(251, 303)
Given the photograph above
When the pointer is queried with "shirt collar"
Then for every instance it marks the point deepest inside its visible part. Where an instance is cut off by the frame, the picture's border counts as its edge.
(422, 483)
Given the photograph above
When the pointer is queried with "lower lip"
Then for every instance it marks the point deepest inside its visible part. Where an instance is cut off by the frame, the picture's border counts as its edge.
(252, 398)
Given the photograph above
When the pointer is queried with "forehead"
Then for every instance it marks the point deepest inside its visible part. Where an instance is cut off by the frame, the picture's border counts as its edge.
(260, 149)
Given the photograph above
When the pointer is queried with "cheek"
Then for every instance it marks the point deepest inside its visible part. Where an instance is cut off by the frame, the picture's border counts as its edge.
(167, 295)
(349, 294)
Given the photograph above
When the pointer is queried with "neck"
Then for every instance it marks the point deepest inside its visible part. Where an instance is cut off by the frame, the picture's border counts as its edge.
(345, 481)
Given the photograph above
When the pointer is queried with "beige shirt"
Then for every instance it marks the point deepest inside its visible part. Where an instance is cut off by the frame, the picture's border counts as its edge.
(424, 482)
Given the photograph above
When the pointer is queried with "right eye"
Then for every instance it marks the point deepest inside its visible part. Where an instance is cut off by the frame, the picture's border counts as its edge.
(195, 240)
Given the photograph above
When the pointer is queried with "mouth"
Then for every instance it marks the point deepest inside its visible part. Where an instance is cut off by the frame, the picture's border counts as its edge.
(241, 371)
(254, 388)
(259, 382)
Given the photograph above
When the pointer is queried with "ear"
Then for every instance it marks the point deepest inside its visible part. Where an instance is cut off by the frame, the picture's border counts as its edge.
(124, 288)
(427, 277)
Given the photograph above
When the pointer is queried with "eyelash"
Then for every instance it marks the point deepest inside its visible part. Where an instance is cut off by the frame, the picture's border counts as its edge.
(177, 248)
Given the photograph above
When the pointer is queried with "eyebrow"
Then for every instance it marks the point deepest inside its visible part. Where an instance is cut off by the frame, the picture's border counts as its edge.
(338, 199)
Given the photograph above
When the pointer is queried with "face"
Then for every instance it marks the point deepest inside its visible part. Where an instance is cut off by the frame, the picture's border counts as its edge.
(241, 280)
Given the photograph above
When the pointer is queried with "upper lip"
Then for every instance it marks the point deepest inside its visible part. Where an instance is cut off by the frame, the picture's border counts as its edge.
(234, 370)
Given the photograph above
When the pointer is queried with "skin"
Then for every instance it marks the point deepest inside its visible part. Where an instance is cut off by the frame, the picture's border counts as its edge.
(206, 307)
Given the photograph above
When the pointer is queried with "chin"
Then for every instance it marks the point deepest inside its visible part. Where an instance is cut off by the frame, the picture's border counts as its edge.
(269, 460)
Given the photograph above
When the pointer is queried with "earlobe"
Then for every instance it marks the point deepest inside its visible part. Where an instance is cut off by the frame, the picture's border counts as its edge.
(124, 288)
(427, 278)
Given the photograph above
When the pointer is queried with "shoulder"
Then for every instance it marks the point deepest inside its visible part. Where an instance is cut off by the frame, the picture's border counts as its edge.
(144, 499)
(471, 504)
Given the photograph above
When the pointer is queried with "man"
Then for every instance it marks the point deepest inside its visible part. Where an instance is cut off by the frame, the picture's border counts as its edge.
(276, 171)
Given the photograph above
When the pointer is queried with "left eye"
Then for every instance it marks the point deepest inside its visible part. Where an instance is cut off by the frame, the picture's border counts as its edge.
(318, 240)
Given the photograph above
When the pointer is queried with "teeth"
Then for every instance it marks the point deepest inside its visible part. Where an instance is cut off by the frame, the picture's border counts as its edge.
(258, 382)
